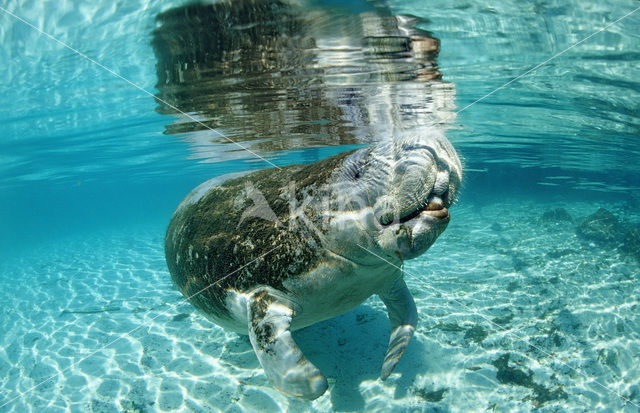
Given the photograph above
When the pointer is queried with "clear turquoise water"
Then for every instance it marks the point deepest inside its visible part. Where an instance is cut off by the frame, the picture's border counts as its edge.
(89, 179)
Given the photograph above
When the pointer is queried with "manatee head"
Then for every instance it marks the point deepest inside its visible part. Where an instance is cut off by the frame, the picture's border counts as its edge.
(393, 198)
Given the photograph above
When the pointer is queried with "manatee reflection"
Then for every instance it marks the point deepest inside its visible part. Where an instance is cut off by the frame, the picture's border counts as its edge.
(278, 76)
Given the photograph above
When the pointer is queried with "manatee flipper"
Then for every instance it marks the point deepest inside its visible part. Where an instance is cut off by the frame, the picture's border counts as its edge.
(283, 362)
(403, 317)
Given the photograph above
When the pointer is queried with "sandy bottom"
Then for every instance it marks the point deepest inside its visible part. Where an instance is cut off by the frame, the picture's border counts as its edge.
(515, 314)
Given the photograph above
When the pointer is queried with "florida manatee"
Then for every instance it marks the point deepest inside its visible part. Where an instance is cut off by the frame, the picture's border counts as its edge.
(277, 250)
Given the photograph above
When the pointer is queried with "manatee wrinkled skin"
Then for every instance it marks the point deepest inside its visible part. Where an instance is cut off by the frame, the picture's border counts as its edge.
(279, 249)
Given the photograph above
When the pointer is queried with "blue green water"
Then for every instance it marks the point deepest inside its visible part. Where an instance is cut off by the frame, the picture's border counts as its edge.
(90, 172)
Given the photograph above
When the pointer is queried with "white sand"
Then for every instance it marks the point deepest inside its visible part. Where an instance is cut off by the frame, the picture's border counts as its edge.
(580, 306)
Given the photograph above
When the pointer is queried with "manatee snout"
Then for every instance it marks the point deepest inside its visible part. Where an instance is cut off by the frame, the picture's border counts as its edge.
(420, 182)
(441, 185)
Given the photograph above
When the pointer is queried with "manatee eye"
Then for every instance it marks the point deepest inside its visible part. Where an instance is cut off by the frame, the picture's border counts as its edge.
(386, 219)
(355, 166)
(354, 170)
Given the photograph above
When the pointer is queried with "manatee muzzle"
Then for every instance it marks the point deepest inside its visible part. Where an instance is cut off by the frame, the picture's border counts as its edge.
(423, 192)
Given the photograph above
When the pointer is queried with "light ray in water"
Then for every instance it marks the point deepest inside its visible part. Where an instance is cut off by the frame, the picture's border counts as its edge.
(493, 323)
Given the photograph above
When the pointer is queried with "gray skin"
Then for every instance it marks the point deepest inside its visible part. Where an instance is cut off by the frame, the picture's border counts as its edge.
(277, 250)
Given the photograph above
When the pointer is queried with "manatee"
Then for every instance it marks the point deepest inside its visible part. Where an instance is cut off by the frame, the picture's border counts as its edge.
(276, 250)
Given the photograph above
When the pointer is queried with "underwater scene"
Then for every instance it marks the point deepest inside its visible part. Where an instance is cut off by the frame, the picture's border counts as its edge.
(319, 206)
